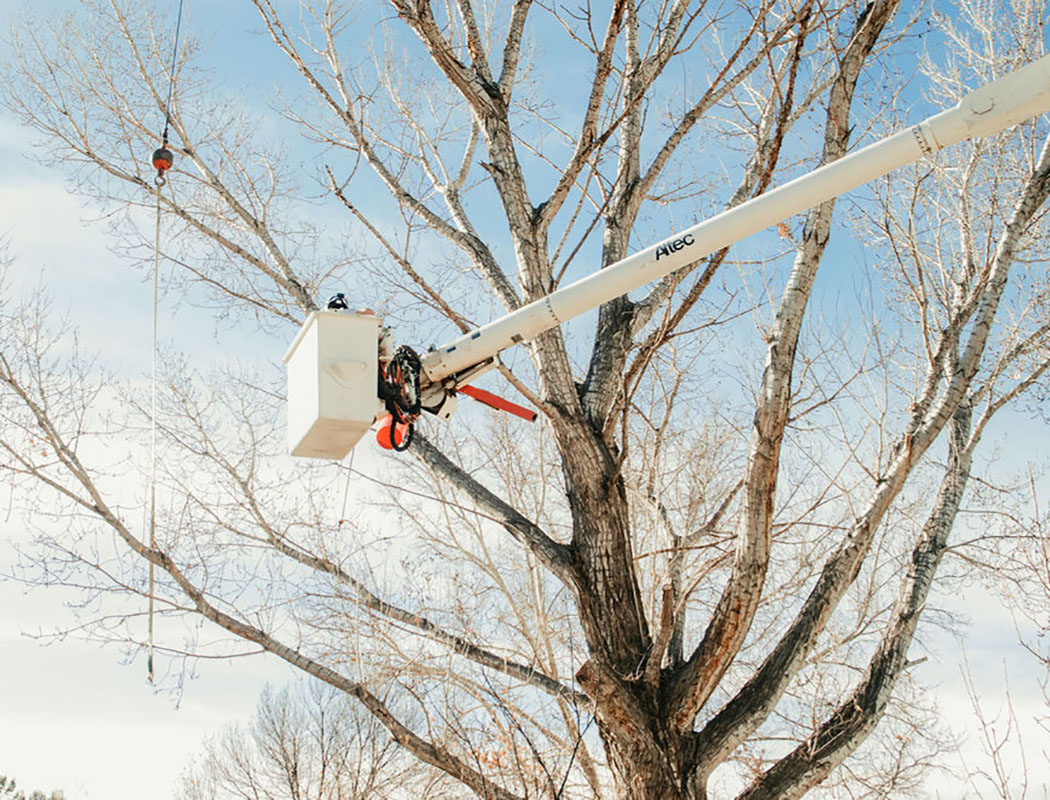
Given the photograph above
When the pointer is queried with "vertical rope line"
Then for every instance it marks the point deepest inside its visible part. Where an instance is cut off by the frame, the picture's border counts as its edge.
(346, 489)
(159, 182)
(153, 435)
(171, 73)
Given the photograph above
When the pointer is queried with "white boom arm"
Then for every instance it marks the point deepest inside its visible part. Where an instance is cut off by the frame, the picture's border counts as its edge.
(1014, 98)
(333, 396)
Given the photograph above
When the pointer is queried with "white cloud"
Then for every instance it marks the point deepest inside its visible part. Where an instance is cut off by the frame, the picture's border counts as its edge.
(75, 718)
(1005, 677)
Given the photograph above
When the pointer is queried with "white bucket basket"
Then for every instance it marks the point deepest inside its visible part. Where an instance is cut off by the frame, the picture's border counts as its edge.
(332, 379)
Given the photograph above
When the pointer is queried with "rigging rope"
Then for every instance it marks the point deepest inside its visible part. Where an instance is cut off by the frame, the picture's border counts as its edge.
(162, 161)
(171, 74)
(153, 436)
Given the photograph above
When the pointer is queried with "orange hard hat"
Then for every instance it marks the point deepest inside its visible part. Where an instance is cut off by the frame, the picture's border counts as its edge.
(388, 439)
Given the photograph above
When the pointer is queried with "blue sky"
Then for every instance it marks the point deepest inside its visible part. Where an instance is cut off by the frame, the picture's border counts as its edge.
(72, 716)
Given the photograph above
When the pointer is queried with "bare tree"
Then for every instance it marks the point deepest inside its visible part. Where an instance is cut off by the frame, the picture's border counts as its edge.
(306, 741)
(698, 575)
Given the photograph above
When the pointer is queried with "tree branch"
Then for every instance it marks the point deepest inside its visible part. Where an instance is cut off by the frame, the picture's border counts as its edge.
(841, 733)
(736, 607)
(551, 554)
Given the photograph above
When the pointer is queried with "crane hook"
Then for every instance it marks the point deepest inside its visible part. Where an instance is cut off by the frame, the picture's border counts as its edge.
(162, 160)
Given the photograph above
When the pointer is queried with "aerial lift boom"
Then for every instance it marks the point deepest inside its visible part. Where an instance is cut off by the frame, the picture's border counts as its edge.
(338, 355)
